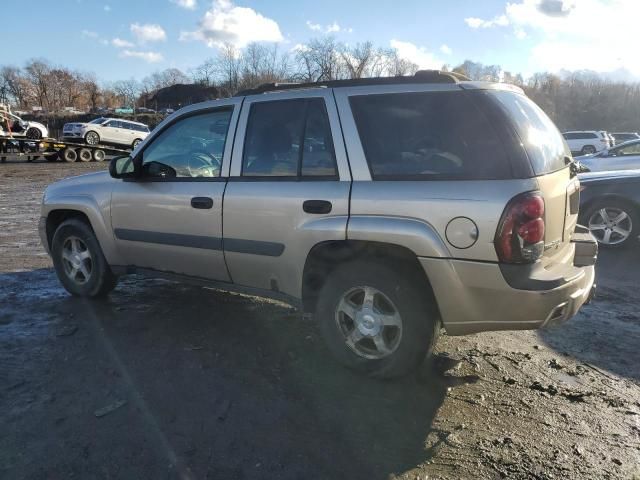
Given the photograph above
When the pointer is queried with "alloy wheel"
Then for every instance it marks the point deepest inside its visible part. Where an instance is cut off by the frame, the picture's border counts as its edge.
(77, 260)
(369, 322)
(610, 226)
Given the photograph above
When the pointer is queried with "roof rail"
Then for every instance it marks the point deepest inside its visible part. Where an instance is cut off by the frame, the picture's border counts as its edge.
(421, 76)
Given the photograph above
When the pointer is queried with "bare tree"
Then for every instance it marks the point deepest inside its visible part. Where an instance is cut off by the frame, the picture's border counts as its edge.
(357, 58)
(38, 73)
(127, 91)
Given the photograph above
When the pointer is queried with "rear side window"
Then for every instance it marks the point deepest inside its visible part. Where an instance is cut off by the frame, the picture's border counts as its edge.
(289, 138)
(541, 139)
(438, 135)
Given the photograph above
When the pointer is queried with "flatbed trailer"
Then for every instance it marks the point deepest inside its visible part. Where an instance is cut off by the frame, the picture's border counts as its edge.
(54, 150)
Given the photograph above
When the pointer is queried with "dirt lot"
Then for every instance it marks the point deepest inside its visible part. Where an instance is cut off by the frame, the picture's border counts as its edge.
(169, 381)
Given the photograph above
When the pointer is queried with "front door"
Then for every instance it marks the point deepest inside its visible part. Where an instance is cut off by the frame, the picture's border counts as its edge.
(170, 219)
(288, 189)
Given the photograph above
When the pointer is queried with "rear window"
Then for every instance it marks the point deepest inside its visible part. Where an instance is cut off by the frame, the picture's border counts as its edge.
(439, 135)
(542, 140)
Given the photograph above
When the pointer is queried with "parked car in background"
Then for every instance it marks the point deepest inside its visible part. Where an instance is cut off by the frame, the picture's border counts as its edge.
(625, 156)
(387, 207)
(12, 124)
(610, 207)
(586, 142)
(166, 111)
(124, 110)
(145, 110)
(622, 137)
(107, 130)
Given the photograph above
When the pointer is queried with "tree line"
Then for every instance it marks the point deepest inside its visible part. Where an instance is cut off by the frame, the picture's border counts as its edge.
(578, 100)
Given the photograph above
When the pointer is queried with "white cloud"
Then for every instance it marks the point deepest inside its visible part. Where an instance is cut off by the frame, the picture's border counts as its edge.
(89, 34)
(418, 55)
(225, 22)
(331, 28)
(107, 8)
(474, 22)
(120, 43)
(188, 4)
(148, 32)
(446, 49)
(316, 27)
(149, 57)
(599, 35)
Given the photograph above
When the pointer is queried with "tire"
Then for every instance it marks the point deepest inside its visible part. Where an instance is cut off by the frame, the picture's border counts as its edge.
(588, 150)
(614, 224)
(33, 134)
(94, 278)
(85, 155)
(92, 138)
(406, 346)
(99, 155)
(69, 155)
(135, 143)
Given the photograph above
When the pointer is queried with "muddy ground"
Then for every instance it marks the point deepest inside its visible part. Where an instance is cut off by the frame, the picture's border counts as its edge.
(170, 381)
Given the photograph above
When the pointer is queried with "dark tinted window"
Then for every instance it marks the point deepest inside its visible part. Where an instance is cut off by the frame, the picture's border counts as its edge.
(434, 134)
(542, 140)
(317, 156)
(571, 136)
(114, 123)
(288, 138)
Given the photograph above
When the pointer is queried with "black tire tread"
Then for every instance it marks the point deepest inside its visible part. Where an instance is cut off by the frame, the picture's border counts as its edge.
(100, 284)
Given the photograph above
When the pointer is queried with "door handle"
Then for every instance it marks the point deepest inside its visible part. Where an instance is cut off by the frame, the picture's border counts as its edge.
(202, 202)
(317, 206)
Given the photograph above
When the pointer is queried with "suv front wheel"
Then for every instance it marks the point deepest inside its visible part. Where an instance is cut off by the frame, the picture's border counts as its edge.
(79, 261)
(92, 138)
(375, 320)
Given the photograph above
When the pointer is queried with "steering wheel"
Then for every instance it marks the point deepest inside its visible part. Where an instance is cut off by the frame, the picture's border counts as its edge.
(201, 164)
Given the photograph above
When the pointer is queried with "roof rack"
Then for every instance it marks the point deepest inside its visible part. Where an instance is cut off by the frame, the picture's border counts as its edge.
(421, 76)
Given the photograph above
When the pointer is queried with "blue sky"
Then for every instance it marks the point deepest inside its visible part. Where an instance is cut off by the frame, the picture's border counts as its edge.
(119, 39)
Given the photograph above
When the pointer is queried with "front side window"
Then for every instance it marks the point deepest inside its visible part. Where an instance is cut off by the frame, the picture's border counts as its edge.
(113, 124)
(192, 147)
(288, 138)
(434, 135)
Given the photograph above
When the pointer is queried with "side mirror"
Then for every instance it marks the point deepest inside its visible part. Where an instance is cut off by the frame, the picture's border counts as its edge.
(122, 167)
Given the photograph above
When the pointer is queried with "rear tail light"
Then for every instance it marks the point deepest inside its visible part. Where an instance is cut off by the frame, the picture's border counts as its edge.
(520, 234)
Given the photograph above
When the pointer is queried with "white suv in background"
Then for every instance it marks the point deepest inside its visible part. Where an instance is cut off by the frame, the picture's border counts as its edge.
(107, 130)
(587, 142)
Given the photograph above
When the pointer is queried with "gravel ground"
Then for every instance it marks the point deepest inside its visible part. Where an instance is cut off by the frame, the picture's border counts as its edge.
(170, 381)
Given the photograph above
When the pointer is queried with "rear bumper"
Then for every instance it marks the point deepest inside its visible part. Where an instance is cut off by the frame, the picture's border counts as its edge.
(475, 296)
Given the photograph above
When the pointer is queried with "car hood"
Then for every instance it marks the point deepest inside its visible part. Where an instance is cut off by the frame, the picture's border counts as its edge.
(617, 174)
(79, 185)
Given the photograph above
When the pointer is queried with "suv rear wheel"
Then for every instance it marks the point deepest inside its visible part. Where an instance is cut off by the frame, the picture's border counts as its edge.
(79, 261)
(135, 143)
(588, 150)
(376, 321)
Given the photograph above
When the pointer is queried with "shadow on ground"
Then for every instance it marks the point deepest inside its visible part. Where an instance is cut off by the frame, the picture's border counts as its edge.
(215, 385)
(606, 333)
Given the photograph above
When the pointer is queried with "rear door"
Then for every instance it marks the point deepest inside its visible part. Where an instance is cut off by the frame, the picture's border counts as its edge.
(288, 189)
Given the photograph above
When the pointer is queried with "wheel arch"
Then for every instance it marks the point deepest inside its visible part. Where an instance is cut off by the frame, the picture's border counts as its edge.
(85, 210)
(324, 257)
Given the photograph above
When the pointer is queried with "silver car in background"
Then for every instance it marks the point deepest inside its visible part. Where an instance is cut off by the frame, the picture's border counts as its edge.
(113, 131)
(625, 156)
